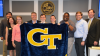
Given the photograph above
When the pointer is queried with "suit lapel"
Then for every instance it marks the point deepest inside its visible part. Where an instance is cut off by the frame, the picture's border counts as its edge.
(87, 20)
(93, 21)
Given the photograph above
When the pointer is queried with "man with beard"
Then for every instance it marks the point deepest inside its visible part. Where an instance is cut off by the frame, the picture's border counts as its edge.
(71, 30)
(2, 32)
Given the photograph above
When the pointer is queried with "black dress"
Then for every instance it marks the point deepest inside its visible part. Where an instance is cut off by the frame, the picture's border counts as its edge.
(10, 46)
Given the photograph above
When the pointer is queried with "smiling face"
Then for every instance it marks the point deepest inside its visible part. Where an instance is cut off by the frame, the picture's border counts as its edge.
(34, 16)
(78, 16)
(43, 18)
(66, 17)
(91, 14)
(19, 20)
(11, 21)
(8, 15)
(52, 19)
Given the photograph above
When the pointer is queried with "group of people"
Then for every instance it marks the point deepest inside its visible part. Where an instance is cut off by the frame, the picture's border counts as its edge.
(85, 32)
(11, 35)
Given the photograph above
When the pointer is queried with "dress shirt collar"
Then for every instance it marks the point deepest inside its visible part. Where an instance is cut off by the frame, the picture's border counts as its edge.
(80, 20)
(43, 22)
(91, 18)
(33, 21)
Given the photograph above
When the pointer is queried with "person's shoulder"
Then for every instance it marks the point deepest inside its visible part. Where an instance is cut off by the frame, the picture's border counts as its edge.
(7, 25)
(4, 19)
(86, 20)
(71, 21)
(96, 19)
(62, 21)
(29, 21)
(15, 26)
(38, 21)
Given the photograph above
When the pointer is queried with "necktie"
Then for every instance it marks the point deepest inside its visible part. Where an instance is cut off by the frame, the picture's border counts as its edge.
(89, 24)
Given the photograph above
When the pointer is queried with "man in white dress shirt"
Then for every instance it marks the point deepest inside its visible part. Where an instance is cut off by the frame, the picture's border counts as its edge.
(80, 34)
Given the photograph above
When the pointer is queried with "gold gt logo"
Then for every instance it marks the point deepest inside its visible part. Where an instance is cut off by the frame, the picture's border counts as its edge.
(49, 37)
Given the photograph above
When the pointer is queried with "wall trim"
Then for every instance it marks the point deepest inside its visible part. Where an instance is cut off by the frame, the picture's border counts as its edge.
(21, 13)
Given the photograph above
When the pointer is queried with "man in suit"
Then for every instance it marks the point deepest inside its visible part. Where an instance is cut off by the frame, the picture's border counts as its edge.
(2, 32)
(34, 18)
(93, 30)
(43, 18)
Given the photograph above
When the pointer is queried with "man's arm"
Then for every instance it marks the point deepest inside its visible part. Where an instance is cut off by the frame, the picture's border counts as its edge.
(85, 27)
(71, 26)
(97, 33)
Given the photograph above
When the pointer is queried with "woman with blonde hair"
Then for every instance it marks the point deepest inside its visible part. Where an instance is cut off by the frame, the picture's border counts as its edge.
(16, 35)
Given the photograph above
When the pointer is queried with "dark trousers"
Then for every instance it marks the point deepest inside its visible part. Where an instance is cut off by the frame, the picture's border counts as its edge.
(79, 48)
(18, 48)
(87, 46)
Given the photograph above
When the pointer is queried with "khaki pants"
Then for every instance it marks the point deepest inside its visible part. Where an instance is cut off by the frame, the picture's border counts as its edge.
(4, 48)
(70, 45)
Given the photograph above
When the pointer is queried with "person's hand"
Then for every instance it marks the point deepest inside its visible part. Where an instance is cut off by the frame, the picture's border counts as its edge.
(58, 23)
(95, 43)
(2, 38)
(82, 43)
(34, 22)
(26, 22)
(6, 43)
(14, 45)
(67, 23)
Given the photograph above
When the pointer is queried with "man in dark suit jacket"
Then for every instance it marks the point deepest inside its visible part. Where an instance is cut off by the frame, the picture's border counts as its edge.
(34, 18)
(93, 30)
(2, 32)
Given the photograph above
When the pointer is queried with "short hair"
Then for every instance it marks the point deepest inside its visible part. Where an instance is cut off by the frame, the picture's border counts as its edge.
(42, 15)
(54, 16)
(13, 21)
(66, 13)
(92, 10)
(34, 13)
(79, 13)
(8, 13)
(20, 17)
